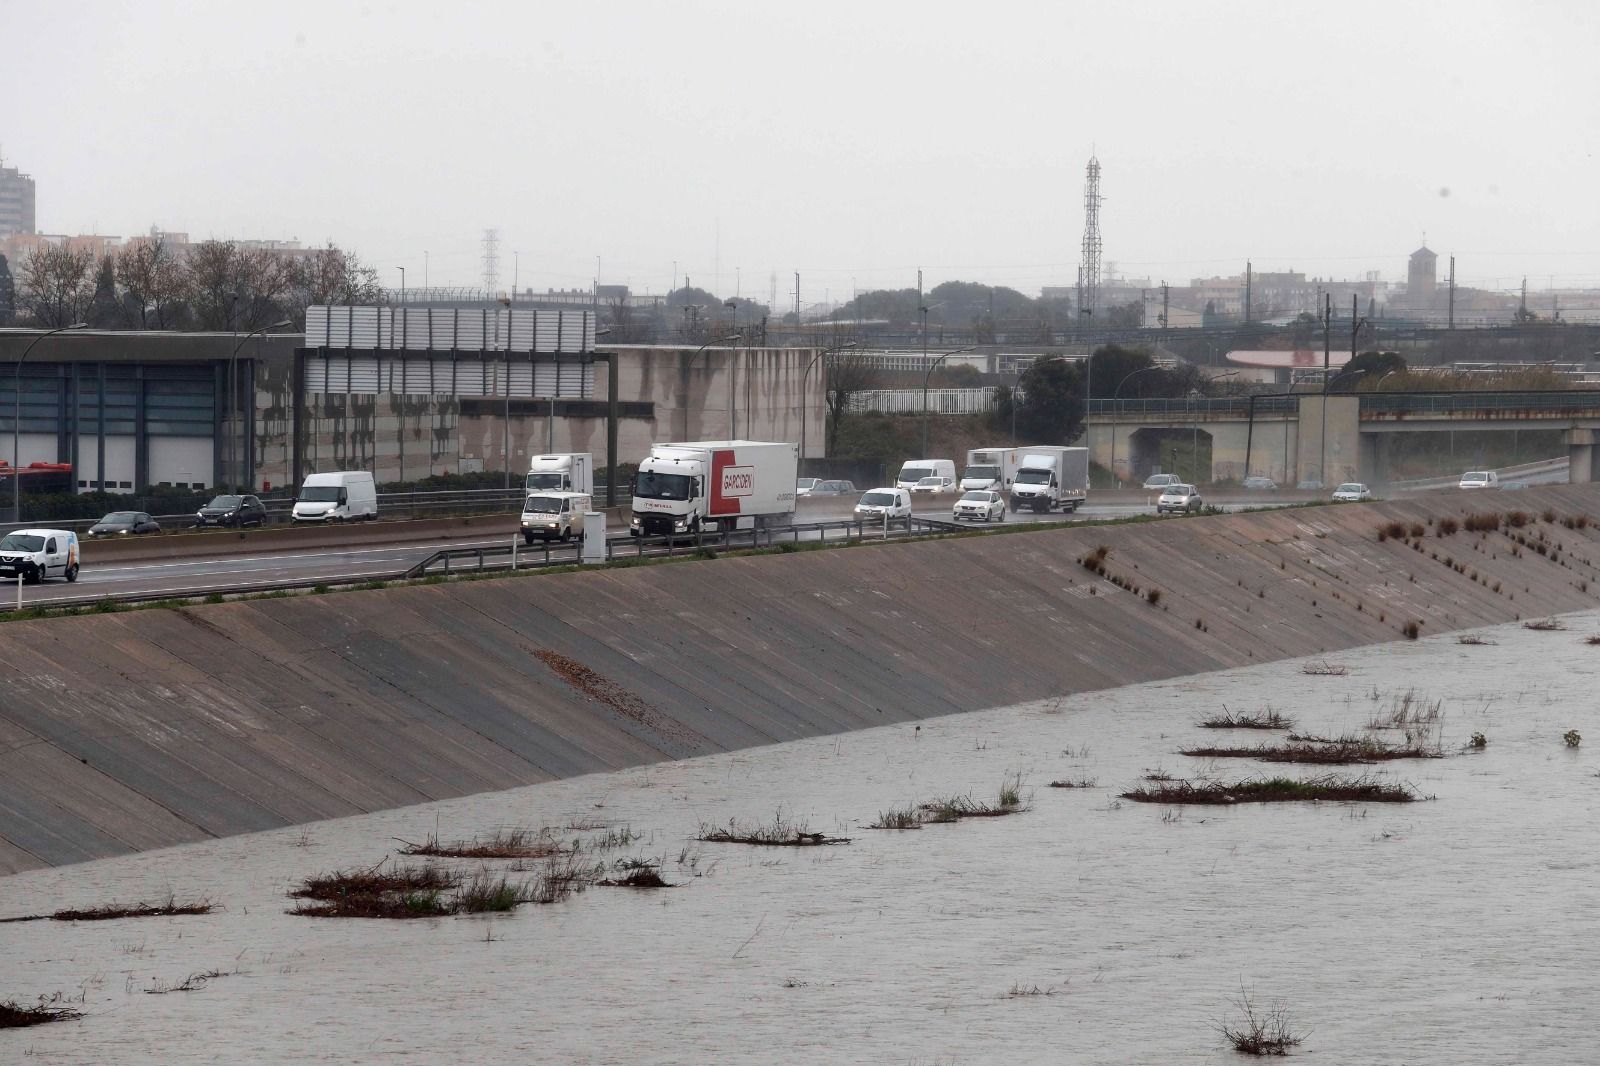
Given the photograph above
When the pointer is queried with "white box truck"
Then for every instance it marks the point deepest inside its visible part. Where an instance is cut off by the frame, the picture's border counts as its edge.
(337, 496)
(562, 472)
(1051, 477)
(991, 468)
(681, 489)
(914, 470)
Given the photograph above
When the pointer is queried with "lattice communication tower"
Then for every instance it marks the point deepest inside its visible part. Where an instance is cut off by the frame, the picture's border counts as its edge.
(491, 261)
(1091, 237)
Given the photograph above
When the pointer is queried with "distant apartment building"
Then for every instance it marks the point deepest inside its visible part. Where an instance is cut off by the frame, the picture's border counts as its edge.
(15, 247)
(16, 202)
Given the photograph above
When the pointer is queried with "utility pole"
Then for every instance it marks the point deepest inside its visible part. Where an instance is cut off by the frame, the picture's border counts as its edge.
(1327, 320)
(1163, 310)
(1249, 277)
(797, 299)
(1523, 315)
(1452, 319)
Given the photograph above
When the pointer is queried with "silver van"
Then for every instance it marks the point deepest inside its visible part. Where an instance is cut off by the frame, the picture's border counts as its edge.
(554, 515)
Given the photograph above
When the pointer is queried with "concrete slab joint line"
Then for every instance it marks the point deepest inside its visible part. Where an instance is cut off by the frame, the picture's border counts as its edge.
(129, 732)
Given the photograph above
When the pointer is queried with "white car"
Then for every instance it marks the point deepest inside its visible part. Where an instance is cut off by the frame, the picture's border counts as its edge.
(980, 505)
(935, 485)
(1352, 492)
(806, 486)
(35, 554)
(1175, 498)
(1480, 479)
(1160, 481)
(878, 504)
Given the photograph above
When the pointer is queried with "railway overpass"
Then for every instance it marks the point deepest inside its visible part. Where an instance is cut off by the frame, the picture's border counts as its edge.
(1285, 436)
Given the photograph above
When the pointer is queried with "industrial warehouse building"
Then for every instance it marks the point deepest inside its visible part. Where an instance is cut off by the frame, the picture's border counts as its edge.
(402, 393)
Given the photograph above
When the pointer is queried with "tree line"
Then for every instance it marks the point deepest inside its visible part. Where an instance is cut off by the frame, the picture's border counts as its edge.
(220, 286)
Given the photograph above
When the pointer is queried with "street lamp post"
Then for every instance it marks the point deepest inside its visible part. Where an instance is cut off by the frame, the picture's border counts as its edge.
(925, 379)
(233, 398)
(1115, 394)
(16, 421)
(805, 377)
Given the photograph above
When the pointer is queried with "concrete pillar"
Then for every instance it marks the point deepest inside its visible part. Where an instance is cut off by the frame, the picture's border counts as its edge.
(1581, 456)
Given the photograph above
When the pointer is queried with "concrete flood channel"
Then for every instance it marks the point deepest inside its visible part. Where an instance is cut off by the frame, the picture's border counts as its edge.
(138, 730)
(616, 717)
(1085, 928)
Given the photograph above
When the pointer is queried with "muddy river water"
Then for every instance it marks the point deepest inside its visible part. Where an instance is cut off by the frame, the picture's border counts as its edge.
(1086, 929)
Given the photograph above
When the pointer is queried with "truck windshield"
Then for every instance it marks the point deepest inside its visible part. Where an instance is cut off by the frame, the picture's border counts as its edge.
(545, 481)
(320, 494)
(1033, 477)
(543, 505)
(654, 486)
(987, 473)
(915, 473)
(21, 542)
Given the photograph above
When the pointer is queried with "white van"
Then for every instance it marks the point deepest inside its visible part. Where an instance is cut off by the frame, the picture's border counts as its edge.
(337, 496)
(39, 553)
(879, 504)
(914, 470)
(554, 515)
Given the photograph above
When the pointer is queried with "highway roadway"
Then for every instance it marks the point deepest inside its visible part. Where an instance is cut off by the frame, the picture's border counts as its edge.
(265, 569)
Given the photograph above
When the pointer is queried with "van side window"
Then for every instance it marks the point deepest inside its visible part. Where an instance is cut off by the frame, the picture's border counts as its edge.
(50, 546)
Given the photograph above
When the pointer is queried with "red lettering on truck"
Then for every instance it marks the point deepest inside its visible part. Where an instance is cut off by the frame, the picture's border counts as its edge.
(723, 501)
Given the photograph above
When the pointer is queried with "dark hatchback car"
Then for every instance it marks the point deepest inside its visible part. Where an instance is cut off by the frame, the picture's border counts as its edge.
(238, 511)
(124, 524)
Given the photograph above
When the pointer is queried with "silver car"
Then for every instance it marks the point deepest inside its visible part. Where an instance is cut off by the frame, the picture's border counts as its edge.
(1175, 498)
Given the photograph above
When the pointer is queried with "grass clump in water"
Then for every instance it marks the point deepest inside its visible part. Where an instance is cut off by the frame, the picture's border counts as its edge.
(898, 818)
(637, 873)
(403, 892)
(1260, 1030)
(1082, 782)
(1474, 639)
(1324, 669)
(1267, 719)
(1337, 751)
(779, 833)
(1544, 625)
(167, 908)
(955, 808)
(486, 894)
(504, 844)
(1273, 790)
(14, 1016)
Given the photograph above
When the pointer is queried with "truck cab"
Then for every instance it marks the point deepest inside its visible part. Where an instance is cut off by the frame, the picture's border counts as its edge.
(551, 516)
(35, 554)
(561, 472)
(1038, 483)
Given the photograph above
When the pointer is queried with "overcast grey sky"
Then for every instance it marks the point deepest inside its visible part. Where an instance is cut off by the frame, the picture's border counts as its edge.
(852, 142)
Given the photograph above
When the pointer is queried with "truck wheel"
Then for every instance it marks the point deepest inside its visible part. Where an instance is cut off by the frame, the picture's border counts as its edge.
(566, 535)
(72, 573)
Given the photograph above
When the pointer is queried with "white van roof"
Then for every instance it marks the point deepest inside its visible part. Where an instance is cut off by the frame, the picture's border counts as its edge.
(334, 477)
(560, 494)
(44, 532)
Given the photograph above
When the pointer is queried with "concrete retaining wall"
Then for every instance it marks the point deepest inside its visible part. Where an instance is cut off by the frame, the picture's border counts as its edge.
(133, 731)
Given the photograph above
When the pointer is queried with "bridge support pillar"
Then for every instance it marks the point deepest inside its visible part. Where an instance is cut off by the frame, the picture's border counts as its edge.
(1582, 463)
(1371, 459)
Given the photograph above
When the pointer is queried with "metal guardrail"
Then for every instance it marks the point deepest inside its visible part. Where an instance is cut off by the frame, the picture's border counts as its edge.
(1466, 403)
(1199, 405)
(514, 555)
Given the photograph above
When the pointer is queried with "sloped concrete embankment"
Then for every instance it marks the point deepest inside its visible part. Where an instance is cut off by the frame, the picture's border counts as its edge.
(133, 731)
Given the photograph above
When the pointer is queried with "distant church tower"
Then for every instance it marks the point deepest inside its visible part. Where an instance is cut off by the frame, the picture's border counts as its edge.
(1422, 276)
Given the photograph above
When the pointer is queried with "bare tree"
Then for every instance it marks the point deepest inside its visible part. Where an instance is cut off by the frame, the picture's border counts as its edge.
(236, 288)
(154, 286)
(332, 275)
(57, 285)
(845, 373)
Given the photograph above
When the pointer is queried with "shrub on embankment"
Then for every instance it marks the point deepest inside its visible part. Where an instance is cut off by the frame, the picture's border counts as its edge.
(346, 703)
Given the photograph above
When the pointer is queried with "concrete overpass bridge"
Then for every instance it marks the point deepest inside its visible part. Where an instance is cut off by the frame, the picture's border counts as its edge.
(1286, 436)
